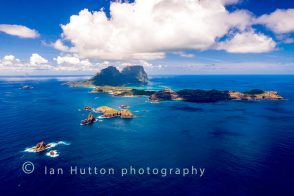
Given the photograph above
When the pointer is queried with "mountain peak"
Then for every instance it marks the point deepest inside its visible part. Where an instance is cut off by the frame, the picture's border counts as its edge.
(112, 77)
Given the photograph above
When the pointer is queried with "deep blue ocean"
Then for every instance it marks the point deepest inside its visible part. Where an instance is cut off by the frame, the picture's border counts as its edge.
(246, 148)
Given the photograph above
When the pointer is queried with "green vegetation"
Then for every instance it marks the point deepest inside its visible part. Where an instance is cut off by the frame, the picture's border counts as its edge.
(254, 92)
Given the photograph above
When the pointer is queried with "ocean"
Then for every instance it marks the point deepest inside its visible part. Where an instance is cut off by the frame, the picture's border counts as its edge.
(245, 147)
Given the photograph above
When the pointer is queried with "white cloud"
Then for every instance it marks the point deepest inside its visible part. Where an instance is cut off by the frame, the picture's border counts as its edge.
(280, 21)
(37, 63)
(146, 30)
(11, 63)
(74, 63)
(248, 42)
(36, 59)
(15, 65)
(285, 38)
(67, 60)
(183, 54)
(149, 67)
(60, 46)
(9, 60)
(19, 31)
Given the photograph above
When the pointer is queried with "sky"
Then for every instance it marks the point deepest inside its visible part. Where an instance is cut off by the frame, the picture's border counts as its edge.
(73, 37)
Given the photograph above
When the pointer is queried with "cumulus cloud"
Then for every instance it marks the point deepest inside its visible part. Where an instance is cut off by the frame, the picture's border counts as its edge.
(74, 63)
(280, 21)
(19, 31)
(37, 63)
(14, 65)
(147, 65)
(36, 59)
(248, 42)
(60, 46)
(67, 60)
(9, 60)
(148, 29)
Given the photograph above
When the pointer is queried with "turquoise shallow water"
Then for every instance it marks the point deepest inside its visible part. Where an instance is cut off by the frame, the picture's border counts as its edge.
(246, 148)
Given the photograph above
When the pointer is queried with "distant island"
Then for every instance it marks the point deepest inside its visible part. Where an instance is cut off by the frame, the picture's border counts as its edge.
(111, 76)
(111, 81)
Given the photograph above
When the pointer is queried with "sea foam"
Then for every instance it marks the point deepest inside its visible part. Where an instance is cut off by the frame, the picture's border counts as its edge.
(52, 145)
(56, 153)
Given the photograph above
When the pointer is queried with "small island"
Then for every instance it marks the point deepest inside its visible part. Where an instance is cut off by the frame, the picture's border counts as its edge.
(89, 120)
(109, 112)
(111, 81)
(41, 146)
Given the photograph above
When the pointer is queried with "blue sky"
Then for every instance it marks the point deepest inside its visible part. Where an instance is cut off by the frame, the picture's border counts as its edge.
(248, 37)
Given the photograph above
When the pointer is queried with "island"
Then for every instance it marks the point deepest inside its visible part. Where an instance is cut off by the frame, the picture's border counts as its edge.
(116, 83)
(41, 146)
(89, 120)
(214, 95)
(111, 76)
(88, 108)
(109, 112)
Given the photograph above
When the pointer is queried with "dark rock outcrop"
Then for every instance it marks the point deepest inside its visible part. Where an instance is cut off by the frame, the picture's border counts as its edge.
(89, 120)
(134, 74)
(108, 76)
(112, 77)
(41, 146)
(88, 108)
